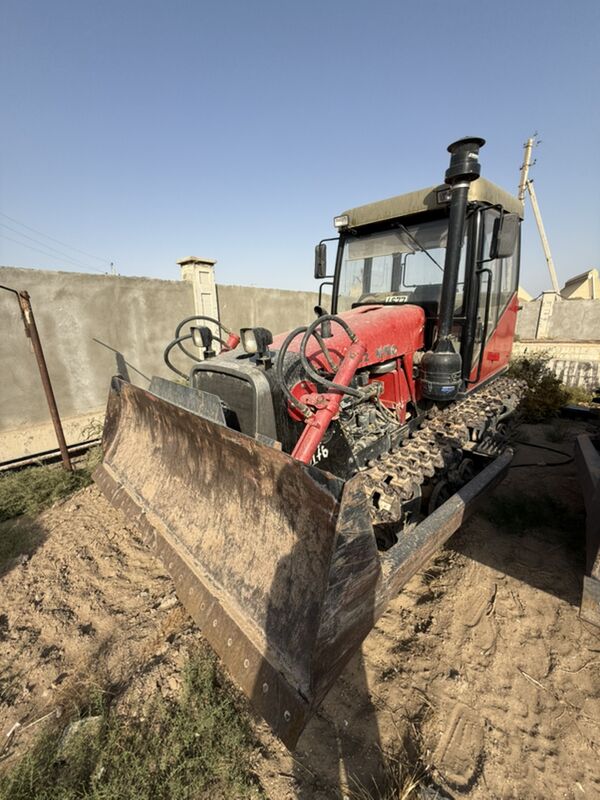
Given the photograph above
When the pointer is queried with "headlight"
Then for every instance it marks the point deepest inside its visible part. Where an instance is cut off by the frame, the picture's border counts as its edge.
(256, 340)
(249, 342)
(202, 338)
(342, 221)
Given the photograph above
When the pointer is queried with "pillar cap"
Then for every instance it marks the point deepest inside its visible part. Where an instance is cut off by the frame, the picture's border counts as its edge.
(209, 262)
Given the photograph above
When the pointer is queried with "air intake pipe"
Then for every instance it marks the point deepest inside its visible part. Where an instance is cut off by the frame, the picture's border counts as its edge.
(440, 368)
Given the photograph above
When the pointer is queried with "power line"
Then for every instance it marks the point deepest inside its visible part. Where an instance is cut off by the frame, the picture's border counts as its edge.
(57, 241)
(46, 246)
(51, 255)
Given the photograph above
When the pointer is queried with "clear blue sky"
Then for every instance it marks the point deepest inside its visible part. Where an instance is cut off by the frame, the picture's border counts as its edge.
(146, 131)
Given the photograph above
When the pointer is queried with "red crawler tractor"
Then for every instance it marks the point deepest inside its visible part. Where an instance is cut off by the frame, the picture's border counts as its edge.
(297, 482)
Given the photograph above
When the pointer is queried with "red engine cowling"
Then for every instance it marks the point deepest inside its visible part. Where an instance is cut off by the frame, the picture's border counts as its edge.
(390, 335)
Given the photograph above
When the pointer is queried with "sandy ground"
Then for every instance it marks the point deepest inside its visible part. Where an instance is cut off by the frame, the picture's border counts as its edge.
(481, 669)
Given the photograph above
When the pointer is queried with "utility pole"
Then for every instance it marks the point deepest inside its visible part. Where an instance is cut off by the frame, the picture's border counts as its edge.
(526, 184)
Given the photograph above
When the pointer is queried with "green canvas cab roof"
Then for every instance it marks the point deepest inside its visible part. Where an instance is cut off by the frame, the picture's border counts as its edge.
(404, 205)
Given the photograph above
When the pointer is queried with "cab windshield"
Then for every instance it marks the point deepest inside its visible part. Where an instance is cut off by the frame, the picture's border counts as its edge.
(392, 267)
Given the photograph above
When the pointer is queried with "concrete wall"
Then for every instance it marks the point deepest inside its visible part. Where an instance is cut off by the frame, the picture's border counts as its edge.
(577, 320)
(278, 310)
(91, 327)
(568, 331)
(527, 319)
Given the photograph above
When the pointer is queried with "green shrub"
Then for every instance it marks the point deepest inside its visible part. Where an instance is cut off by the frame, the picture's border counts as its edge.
(546, 394)
(578, 395)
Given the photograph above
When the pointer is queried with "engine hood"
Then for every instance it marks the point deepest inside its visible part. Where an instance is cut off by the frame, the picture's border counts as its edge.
(387, 332)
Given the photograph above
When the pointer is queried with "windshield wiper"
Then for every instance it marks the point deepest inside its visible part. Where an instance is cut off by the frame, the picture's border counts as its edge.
(420, 246)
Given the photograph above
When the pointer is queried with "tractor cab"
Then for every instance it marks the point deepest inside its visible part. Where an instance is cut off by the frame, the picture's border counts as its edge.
(393, 252)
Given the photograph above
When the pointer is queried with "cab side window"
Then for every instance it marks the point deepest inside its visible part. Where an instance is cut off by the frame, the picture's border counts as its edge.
(501, 277)
(504, 273)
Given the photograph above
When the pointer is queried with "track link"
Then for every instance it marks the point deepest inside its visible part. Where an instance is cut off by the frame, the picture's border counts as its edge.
(435, 459)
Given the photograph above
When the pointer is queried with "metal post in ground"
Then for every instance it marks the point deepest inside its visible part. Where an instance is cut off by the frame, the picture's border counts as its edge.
(32, 332)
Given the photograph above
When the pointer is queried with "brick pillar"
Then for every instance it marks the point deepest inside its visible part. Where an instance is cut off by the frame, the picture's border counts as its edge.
(201, 274)
(546, 307)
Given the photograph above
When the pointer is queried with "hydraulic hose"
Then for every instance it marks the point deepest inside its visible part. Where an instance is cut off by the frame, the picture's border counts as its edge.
(177, 341)
(183, 338)
(314, 431)
(302, 407)
(325, 351)
(567, 458)
(167, 352)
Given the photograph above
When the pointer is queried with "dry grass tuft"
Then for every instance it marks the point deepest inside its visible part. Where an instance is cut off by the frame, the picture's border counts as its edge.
(401, 780)
(199, 746)
(31, 490)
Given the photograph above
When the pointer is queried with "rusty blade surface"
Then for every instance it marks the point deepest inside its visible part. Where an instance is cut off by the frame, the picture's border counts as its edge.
(246, 532)
(276, 561)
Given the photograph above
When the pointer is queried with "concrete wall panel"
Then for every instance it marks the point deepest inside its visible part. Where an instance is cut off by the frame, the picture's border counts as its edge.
(575, 319)
(276, 309)
(527, 319)
(91, 327)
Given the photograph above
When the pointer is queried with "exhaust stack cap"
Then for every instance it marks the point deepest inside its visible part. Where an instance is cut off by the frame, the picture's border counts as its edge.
(464, 160)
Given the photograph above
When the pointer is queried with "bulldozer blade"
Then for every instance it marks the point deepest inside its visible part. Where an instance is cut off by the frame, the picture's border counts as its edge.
(276, 561)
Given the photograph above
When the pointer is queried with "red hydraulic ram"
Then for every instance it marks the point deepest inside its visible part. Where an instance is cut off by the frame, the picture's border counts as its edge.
(328, 405)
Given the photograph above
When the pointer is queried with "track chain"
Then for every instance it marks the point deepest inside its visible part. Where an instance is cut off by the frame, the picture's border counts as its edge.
(436, 450)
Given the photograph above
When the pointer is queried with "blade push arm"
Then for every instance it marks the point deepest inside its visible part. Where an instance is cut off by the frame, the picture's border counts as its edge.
(327, 405)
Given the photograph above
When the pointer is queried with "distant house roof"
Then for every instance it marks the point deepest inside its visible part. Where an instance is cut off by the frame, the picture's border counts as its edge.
(585, 286)
(524, 295)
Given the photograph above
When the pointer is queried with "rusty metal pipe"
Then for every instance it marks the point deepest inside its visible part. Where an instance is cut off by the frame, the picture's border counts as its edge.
(32, 332)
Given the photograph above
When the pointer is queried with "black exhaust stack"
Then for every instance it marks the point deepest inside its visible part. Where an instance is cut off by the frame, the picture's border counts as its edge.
(440, 369)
